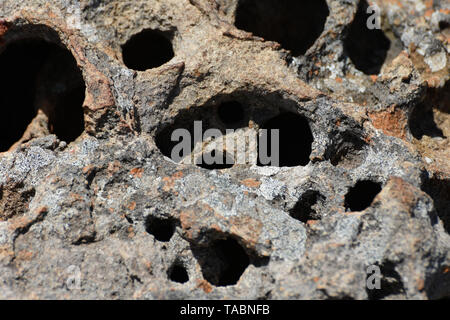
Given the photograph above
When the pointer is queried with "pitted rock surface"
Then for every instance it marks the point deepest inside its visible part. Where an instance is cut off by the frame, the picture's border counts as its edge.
(92, 207)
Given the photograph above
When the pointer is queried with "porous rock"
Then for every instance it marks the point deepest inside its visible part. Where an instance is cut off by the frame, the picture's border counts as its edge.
(95, 209)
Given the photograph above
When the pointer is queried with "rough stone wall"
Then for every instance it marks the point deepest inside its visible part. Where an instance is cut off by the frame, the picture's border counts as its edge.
(92, 89)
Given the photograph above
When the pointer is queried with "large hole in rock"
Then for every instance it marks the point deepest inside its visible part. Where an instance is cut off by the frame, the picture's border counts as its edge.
(178, 273)
(39, 75)
(146, 50)
(190, 126)
(367, 48)
(295, 140)
(161, 228)
(295, 24)
(234, 126)
(361, 196)
(305, 208)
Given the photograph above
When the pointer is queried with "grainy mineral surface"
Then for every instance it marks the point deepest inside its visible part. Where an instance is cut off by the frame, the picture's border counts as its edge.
(92, 206)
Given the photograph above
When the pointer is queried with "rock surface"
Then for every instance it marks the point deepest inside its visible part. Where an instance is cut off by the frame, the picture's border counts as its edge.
(91, 207)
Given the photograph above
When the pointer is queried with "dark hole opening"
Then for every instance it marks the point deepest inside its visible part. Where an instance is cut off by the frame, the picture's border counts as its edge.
(185, 121)
(226, 161)
(421, 123)
(304, 209)
(390, 283)
(295, 140)
(295, 24)
(161, 229)
(146, 50)
(439, 191)
(178, 274)
(444, 25)
(367, 48)
(223, 262)
(424, 118)
(164, 141)
(231, 113)
(234, 257)
(36, 75)
(437, 284)
(360, 196)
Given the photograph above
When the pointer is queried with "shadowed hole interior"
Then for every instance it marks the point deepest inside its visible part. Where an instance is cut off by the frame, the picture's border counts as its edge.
(178, 273)
(146, 50)
(437, 284)
(367, 48)
(223, 262)
(37, 75)
(295, 24)
(164, 141)
(304, 209)
(444, 25)
(161, 228)
(295, 140)
(427, 117)
(439, 191)
(360, 196)
(185, 121)
(226, 161)
(422, 123)
(236, 259)
(231, 113)
(390, 283)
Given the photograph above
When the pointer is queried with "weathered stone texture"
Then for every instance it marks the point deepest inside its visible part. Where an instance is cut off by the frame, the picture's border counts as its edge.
(98, 197)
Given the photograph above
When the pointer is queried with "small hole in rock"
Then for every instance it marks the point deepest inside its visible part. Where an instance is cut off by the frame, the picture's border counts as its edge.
(295, 24)
(439, 191)
(161, 228)
(146, 50)
(37, 74)
(234, 258)
(360, 197)
(178, 273)
(422, 123)
(295, 140)
(223, 262)
(231, 112)
(305, 209)
(224, 161)
(367, 48)
(444, 25)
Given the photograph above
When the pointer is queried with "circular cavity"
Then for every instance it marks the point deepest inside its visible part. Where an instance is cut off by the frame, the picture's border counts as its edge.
(147, 50)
